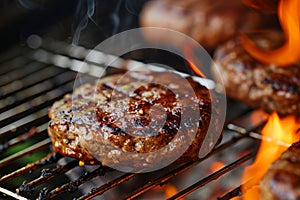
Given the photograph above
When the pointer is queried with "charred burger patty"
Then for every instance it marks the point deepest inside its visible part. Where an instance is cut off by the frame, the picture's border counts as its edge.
(118, 114)
(269, 87)
(282, 181)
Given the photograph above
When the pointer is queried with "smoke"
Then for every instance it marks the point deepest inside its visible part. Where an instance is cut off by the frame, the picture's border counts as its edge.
(92, 20)
(115, 17)
(86, 11)
(91, 8)
(85, 19)
(82, 25)
(134, 6)
(28, 4)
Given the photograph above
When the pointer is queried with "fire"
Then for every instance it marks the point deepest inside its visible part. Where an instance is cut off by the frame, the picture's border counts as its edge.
(263, 5)
(289, 52)
(190, 59)
(278, 134)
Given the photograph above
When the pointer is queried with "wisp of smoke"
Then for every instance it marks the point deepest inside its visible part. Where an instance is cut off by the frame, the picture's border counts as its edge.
(88, 17)
(28, 4)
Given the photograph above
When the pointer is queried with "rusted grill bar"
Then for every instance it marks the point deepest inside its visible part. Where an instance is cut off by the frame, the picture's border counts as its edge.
(27, 112)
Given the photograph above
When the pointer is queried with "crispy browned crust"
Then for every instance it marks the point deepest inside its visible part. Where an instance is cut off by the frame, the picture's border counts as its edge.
(98, 122)
(208, 22)
(282, 181)
(257, 85)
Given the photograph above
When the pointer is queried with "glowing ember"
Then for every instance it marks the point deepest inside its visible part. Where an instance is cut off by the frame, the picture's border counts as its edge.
(168, 189)
(215, 166)
(289, 52)
(190, 59)
(275, 132)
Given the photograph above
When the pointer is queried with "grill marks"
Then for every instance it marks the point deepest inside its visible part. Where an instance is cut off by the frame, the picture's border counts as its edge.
(140, 107)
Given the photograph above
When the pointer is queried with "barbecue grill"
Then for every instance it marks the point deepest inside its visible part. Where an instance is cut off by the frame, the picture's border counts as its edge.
(33, 77)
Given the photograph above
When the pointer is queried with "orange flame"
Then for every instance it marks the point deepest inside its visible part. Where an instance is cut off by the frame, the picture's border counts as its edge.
(278, 134)
(289, 52)
(191, 60)
(263, 5)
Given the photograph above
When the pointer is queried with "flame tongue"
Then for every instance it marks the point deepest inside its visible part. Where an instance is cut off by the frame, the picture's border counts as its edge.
(191, 60)
(276, 130)
(288, 13)
(263, 5)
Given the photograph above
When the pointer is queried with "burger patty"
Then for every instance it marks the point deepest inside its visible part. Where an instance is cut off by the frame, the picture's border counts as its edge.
(136, 113)
(282, 181)
(258, 85)
(208, 22)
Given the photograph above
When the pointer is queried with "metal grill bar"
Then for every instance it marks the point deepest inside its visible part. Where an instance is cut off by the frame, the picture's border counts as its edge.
(41, 102)
(11, 66)
(32, 80)
(20, 73)
(234, 193)
(25, 126)
(32, 93)
(46, 175)
(36, 147)
(50, 158)
(73, 185)
(163, 179)
(238, 190)
(18, 139)
(107, 186)
(213, 176)
(11, 194)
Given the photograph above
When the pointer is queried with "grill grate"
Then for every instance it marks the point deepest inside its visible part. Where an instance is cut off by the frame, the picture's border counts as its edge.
(32, 81)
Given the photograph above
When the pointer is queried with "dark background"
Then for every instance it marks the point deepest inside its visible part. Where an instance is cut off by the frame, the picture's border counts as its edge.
(84, 22)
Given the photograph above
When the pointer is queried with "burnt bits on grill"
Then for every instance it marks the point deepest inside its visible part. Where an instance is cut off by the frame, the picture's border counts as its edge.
(208, 22)
(116, 115)
(282, 181)
(257, 85)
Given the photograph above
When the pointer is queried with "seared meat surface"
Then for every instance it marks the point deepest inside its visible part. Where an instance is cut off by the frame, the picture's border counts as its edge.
(138, 113)
(282, 181)
(257, 85)
(208, 22)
